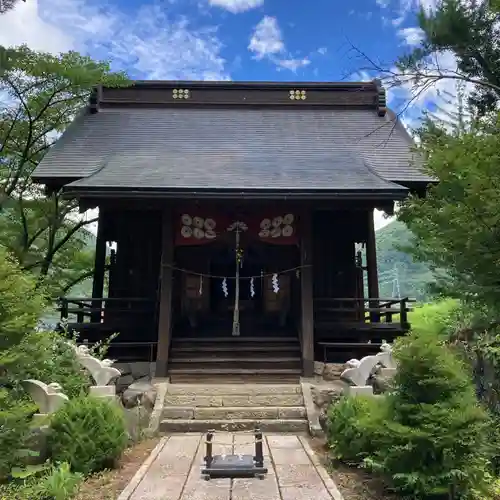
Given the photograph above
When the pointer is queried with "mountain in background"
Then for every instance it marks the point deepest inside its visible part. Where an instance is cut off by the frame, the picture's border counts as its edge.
(397, 268)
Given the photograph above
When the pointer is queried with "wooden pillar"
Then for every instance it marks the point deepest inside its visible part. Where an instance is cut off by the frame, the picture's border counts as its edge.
(165, 295)
(371, 265)
(99, 266)
(306, 289)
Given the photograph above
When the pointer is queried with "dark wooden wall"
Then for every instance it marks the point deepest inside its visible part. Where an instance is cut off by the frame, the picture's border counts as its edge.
(334, 236)
(335, 271)
(136, 270)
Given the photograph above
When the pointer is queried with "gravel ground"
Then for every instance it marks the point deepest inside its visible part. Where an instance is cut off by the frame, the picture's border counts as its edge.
(353, 483)
(108, 485)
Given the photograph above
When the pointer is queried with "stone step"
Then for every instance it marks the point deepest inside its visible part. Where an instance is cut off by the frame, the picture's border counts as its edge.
(234, 413)
(233, 389)
(271, 425)
(196, 400)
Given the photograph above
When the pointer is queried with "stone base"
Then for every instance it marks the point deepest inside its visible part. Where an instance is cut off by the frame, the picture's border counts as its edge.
(103, 391)
(388, 372)
(360, 390)
(40, 420)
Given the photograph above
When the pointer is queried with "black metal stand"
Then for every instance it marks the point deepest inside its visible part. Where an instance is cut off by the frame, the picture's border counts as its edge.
(234, 466)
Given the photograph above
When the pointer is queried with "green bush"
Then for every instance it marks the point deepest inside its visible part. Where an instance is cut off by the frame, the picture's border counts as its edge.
(352, 427)
(46, 356)
(436, 436)
(61, 483)
(21, 304)
(15, 415)
(88, 433)
(53, 483)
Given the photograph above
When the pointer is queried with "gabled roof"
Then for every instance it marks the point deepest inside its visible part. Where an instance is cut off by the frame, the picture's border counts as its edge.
(236, 137)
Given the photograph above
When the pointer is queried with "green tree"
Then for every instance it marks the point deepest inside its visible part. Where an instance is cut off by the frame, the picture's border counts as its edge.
(470, 32)
(6, 5)
(456, 227)
(45, 93)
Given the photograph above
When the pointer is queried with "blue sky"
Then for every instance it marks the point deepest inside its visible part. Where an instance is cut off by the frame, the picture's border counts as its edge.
(274, 40)
(222, 39)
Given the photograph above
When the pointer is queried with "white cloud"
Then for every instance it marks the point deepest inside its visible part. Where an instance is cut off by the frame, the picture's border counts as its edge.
(266, 39)
(149, 43)
(322, 51)
(267, 42)
(412, 36)
(237, 6)
(411, 98)
(293, 64)
(405, 8)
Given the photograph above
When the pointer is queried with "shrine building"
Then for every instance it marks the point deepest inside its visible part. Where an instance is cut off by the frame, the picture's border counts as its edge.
(237, 214)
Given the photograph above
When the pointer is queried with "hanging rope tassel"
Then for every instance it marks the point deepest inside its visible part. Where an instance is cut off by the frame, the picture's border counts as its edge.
(224, 287)
(252, 288)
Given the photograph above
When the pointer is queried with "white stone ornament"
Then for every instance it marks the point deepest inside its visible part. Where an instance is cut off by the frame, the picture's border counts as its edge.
(101, 370)
(48, 397)
(359, 371)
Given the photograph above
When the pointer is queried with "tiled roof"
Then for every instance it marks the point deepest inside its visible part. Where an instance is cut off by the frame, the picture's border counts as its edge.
(217, 147)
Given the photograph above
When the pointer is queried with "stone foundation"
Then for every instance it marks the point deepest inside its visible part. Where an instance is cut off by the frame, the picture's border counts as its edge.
(323, 396)
(328, 371)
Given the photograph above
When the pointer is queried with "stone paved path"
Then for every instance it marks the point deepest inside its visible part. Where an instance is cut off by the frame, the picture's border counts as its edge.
(172, 471)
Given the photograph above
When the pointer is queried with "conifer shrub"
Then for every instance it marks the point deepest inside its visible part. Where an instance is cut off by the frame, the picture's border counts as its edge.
(352, 427)
(434, 441)
(88, 433)
(21, 302)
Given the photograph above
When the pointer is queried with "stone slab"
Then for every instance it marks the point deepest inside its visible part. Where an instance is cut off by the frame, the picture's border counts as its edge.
(305, 492)
(192, 400)
(278, 441)
(256, 489)
(296, 475)
(173, 471)
(178, 412)
(283, 456)
(233, 389)
(275, 425)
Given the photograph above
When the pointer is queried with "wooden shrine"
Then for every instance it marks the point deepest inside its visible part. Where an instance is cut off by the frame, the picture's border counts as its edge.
(241, 221)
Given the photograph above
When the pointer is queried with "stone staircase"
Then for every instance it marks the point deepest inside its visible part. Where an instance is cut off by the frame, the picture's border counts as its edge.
(234, 407)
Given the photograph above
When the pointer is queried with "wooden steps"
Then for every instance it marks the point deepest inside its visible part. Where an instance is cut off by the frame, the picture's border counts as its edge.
(235, 359)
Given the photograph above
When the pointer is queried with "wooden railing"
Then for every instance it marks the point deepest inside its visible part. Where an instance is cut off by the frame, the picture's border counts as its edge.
(130, 351)
(95, 311)
(367, 310)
